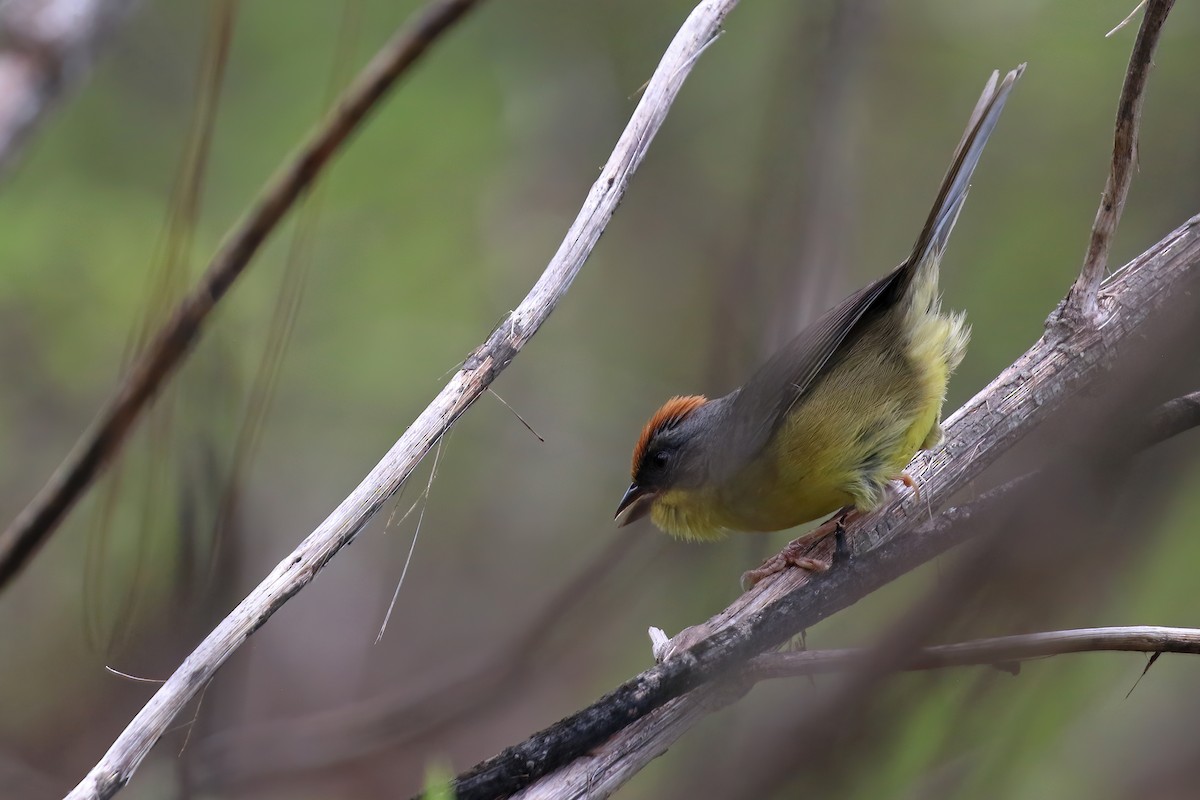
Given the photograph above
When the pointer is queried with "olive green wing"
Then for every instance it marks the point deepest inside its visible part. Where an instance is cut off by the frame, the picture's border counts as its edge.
(753, 412)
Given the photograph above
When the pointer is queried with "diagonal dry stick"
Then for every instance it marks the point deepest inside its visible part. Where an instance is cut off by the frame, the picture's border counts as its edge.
(477, 372)
(1081, 306)
(167, 349)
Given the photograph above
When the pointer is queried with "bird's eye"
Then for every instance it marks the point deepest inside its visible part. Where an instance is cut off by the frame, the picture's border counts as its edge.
(661, 458)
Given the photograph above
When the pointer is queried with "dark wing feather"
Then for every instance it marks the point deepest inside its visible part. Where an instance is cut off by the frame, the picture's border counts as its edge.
(752, 413)
(953, 191)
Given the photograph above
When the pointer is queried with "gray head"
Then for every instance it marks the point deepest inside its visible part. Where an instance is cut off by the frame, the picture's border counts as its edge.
(668, 455)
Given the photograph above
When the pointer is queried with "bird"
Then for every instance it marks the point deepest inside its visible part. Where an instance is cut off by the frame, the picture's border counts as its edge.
(830, 421)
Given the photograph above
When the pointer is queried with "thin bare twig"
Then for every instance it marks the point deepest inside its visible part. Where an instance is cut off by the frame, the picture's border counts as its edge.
(101, 441)
(477, 372)
(46, 48)
(1081, 306)
(1128, 19)
(108, 625)
(1172, 418)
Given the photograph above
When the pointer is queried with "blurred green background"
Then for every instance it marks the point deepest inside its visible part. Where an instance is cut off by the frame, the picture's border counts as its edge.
(798, 163)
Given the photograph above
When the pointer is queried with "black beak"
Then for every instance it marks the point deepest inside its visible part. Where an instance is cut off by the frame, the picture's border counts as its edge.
(634, 505)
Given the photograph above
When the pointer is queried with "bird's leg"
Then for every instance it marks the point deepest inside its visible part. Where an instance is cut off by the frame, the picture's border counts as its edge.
(796, 553)
(841, 550)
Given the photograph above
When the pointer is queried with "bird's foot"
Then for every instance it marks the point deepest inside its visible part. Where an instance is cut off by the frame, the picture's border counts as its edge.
(798, 552)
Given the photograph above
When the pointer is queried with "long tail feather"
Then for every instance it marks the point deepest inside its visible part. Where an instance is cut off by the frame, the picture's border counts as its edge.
(953, 191)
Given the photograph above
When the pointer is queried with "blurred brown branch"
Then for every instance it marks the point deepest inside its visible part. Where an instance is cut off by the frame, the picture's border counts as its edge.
(812, 276)
(1081, 302)
(478, 371)
(1001, 651)
(46, 48)
(168, 347)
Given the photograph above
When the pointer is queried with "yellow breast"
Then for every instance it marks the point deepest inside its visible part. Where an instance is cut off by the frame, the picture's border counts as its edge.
(851, 434)
(860, 424)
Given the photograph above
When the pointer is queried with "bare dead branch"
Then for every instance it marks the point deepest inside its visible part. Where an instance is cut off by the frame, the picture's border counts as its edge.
(606, 767)
(46, 48)
(478, 371)
(599, 774)
(1081, 306)
(168, 347)
(605, 771)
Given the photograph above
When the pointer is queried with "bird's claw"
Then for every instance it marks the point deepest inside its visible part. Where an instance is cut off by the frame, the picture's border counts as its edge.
(794, 555)
(908, 481)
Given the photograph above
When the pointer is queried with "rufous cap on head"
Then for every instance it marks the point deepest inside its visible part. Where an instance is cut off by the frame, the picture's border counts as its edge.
(671, 414)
